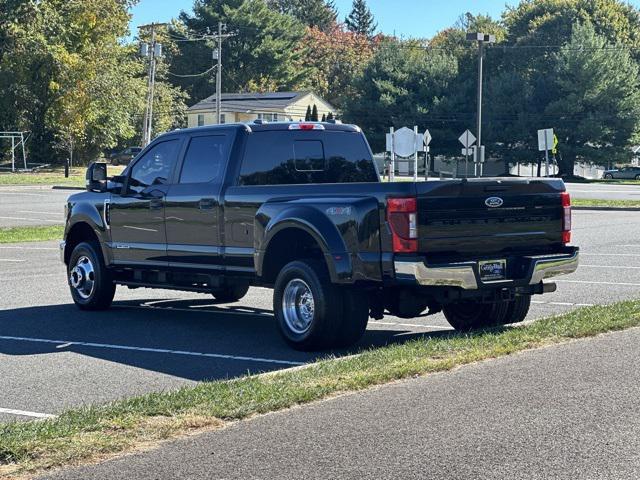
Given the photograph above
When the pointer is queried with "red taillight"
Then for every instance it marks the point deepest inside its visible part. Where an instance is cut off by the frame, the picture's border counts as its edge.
(402, 215)
(566, 217)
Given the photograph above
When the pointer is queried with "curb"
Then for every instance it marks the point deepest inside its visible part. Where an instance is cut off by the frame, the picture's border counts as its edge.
(64, 187)
(614, 209)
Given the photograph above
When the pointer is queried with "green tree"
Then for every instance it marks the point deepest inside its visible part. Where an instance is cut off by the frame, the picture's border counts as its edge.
(313, 13)
(402, 85)
(307, 116)
(314, 113)
(360, 19)
(596, 111)
(263, 54)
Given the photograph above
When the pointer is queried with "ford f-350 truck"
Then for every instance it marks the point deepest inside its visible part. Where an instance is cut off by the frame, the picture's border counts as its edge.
(300, 208)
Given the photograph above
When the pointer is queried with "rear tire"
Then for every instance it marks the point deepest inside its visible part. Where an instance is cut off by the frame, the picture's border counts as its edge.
(637, 177)
(308, 308)
(355, 317)
(91, 283)
(518, 309)
(470, 315)
(608, 176)
(230, 294)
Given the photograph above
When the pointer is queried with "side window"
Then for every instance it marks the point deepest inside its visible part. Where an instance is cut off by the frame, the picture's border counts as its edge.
(200, 120)
(155, 166)
(270, 159)
(348, 158)
(205, 159)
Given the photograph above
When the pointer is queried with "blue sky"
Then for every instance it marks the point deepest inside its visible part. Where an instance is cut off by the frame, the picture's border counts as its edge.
(410, 18)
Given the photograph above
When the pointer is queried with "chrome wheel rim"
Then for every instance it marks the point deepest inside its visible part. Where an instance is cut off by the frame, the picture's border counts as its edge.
(298, 306)
(82, 277)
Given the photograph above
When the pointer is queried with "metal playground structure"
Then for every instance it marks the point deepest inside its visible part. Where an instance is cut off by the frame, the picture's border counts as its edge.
(18, 140)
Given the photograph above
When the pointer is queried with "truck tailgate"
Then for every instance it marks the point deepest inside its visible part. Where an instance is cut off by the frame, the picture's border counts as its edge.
(489, 216)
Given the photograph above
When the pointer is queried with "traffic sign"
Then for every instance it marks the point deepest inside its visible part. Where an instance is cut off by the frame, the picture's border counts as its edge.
(467, 152)
(427, 137)
(554, 150)
(478, 158)
(545, 139)
(404, 142)
(467, 139)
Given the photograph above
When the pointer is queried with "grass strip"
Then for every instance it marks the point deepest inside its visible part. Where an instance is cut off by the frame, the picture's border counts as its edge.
(95, 432)
(597, 202)
(31, 234)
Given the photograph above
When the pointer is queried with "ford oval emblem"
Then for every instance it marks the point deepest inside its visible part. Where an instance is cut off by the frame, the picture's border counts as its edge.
(493, 202)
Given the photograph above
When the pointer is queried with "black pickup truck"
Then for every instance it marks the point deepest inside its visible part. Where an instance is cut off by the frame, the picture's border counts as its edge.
(300, 208)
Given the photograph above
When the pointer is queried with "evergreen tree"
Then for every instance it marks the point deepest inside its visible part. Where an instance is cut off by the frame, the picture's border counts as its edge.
(314, 113)
(313, 13)
(330, 116)
(307, 116)
(361, 20)
(324, 117)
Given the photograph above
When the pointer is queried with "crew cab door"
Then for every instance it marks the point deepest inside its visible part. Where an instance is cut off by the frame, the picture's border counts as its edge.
(136, 216)
(192, 209)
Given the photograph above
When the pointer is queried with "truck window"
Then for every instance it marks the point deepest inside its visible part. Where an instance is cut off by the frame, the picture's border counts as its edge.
(309, 155)
(285, 157)
(155, 167)
(348, 159)
(205, 158)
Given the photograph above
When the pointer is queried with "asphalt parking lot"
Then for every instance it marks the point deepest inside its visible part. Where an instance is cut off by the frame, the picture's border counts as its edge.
(607, 191)
(53, 356)
(31, 206)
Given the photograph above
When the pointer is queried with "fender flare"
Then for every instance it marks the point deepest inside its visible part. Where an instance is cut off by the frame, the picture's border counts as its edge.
(313, 222)
(84, 214)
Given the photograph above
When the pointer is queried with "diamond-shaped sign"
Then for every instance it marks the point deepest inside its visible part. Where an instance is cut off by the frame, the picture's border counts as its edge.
(404, 142)
(427, 137)
(467, 139)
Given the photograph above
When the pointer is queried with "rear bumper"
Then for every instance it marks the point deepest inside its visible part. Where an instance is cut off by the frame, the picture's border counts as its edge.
(465, 275)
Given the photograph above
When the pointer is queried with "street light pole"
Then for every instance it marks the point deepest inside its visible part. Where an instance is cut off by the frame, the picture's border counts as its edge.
(481, 38)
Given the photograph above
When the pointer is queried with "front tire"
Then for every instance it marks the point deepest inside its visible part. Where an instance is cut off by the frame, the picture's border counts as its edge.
(308, 308)
(608, 176)
(91, 284)
(637, 177)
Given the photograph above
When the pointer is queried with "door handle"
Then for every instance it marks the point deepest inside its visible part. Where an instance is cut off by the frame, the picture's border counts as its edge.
(206, 204)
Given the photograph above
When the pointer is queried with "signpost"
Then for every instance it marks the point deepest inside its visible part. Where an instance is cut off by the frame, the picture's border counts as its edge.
(467, 139)
(546, 140)
(406, 143)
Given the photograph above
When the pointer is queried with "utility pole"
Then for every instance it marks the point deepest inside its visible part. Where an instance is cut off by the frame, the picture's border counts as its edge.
(218, 56)
(481, 38)
(153, 50)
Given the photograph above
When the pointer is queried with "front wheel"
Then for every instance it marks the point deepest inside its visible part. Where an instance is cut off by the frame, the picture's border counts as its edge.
(308, 308)
(230, 294)
(91, 284)
(608, 176)
(637, 177)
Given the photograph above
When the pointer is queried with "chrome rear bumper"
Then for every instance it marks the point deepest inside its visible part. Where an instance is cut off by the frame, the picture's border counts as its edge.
(464, 275)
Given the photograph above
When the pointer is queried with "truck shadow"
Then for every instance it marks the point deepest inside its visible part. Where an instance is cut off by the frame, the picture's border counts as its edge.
(171, 336)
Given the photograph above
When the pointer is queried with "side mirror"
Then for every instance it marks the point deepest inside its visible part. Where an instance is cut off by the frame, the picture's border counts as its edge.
(96, 179)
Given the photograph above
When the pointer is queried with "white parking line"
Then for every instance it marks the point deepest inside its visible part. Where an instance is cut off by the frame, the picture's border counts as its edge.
(608, 266)
(150, 350)
(15, 247)
(610, 254)
(24, 413)
(411, 325)
(563, 304)
(600, 283)
(57, 214)
(12, 260)
(30, 219)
